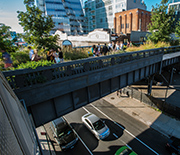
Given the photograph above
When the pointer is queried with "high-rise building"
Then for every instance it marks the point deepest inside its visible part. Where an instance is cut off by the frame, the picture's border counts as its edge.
(175, 4)
(100, 13)
(67, 15)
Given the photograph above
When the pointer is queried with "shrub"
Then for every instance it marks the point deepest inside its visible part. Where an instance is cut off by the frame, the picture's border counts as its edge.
(19, 57)
(2, 65)
(74, 54)
(34, 64)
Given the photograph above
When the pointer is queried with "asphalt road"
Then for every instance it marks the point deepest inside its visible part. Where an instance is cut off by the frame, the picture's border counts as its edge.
(124, 129)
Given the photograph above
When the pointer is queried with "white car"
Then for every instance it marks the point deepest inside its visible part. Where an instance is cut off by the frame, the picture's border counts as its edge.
(96, 126)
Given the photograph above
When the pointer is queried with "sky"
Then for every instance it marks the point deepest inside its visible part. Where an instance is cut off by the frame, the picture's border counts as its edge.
(9, 8)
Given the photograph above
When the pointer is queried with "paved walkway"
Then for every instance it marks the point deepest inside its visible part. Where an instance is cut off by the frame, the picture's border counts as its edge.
(46, 146)
(144, 113)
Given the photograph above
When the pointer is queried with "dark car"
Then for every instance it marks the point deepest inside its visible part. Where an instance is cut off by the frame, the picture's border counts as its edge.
(173, 145)
(63, 133)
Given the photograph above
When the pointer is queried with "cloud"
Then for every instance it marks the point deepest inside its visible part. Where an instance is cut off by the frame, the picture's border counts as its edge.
(10, 19)
(12, 22)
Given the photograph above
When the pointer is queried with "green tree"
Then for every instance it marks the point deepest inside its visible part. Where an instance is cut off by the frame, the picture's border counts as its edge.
(177, 30)
(5, 37)
(36, 26)
(162, 21)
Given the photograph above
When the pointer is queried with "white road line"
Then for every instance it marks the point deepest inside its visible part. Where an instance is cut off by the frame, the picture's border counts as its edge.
(80, 139)
(86, 110)
(125, 130)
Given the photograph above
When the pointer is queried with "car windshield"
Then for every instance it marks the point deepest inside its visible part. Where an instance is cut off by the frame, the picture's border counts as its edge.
(125, 152)
(98, 125)
(65, 131)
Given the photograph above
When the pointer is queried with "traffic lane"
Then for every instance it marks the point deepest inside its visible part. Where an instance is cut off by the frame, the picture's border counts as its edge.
(107, 146)
(149, 136)
(115, 128)
(74, 151)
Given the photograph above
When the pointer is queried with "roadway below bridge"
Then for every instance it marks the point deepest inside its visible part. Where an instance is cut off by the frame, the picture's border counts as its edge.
(125, 130)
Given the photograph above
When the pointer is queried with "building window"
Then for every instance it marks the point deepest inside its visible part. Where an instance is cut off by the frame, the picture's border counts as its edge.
(127, 25)
(101, 20)
(110, 13)
(122, 26)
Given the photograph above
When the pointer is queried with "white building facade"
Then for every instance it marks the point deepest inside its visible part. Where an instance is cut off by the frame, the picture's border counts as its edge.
(100, 13)
(98, 36)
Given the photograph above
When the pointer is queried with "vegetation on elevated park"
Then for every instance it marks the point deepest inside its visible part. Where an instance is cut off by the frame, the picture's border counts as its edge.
(148, 45)
(37, 29)
(37, 26)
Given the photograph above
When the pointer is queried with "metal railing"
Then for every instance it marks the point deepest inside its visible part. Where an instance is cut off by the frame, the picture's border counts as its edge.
(29, 77)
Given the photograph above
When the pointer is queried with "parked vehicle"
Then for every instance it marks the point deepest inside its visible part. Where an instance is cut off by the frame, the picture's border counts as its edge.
(173, 145)
(124, 150)
(96, 126)
(63, 133)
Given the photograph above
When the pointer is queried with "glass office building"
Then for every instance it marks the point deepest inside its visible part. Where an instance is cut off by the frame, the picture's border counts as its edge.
(175, 4)
(101, 13)
(67, 15)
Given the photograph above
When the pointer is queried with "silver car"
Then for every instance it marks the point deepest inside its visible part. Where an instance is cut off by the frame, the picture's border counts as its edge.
(96, 126)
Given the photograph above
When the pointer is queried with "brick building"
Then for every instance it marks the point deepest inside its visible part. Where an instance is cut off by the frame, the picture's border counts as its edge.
(131, 20)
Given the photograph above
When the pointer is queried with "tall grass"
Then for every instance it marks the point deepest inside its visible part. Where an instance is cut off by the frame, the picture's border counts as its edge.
(147, 45)
(74, 54)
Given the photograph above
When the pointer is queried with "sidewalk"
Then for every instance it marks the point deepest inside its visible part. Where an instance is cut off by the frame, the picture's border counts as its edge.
(47, 149)
(144, 113)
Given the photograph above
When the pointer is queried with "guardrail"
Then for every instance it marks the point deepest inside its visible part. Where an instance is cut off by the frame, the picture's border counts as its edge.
(171, 49)
(29, 77)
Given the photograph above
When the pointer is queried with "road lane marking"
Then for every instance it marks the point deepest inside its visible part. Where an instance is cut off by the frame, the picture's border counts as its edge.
(85, 109)
(80, 138)
(125, 130)
(129, 147)
(115, 135)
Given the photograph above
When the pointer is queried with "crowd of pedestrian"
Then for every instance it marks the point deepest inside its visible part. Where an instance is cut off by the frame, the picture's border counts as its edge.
(53, 55)
(56, 55)
(104, 49)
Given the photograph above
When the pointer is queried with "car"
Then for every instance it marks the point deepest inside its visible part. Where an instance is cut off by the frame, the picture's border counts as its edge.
(124, 150)
(63, 133)
(173, 145)
(96, 126)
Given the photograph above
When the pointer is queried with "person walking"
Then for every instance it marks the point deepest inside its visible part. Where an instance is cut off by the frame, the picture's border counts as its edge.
(31, 52)
(98, 50)
(6, 58)
(110, 46)
(50, 56)
(60, 54)
(35, 56)
(94, 50)
(117, 46)
(105, 49)
(121, 46)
